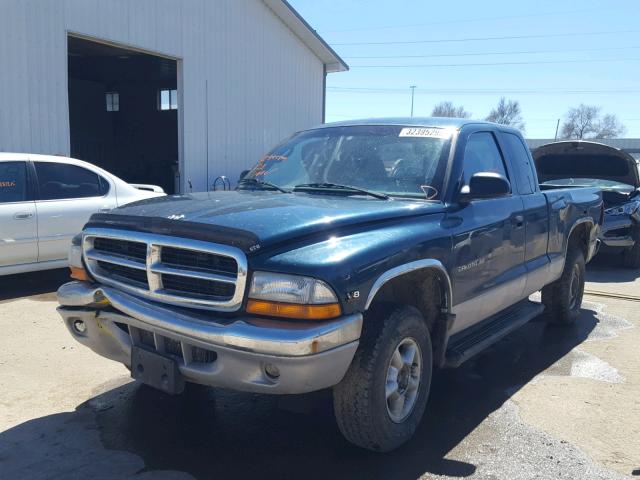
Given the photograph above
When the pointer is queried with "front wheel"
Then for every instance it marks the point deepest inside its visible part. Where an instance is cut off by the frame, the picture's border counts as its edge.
(381, 400)
(562, 299)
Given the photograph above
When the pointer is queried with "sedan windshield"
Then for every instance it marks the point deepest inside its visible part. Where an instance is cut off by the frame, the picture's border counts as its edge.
(380, 159)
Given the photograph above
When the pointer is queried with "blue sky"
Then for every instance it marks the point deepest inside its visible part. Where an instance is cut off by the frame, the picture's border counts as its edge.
(572, 52)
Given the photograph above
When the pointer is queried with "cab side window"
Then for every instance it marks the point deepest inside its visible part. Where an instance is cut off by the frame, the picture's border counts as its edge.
(521, 163)
(57, 181)
(13, 182)
(481, 154)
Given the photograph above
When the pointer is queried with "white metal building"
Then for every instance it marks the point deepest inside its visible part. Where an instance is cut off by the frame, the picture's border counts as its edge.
(170, 92)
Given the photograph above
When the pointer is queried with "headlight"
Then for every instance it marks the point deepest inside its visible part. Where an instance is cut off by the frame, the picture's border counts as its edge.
(292, 296)
(75, 259)
(626, 209)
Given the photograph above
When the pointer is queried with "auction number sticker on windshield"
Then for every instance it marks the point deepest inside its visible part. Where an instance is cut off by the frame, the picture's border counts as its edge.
(425, 132)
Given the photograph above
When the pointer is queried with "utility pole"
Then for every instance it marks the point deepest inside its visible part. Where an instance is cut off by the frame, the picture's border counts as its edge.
(557, 126)
(413, 91)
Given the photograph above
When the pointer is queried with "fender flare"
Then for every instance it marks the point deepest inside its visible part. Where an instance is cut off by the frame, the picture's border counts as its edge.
(430, 264)
(576, 224)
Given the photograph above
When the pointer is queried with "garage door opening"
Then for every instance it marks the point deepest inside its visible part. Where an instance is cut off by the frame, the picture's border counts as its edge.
(123, 112)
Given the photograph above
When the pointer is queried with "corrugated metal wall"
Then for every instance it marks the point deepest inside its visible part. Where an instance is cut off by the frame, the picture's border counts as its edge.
(241, 71)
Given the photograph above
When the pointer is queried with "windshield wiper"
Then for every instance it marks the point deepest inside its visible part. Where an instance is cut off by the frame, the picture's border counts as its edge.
(260, 183)
(337, 186)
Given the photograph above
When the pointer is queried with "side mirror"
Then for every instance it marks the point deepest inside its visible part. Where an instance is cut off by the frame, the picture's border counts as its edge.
(484, 185)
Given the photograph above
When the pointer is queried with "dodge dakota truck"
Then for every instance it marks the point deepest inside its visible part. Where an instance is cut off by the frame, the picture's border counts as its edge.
(354, 256)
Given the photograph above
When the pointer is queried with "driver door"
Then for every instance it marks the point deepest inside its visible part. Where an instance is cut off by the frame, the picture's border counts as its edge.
(488, 241)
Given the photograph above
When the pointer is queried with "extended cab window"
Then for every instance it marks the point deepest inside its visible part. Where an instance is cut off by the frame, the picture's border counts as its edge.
(13, 182)
(520, 162)
(482, 155)
(57, 181)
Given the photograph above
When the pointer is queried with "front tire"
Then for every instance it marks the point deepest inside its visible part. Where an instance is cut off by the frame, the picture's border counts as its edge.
(562, 299)
(381, 400)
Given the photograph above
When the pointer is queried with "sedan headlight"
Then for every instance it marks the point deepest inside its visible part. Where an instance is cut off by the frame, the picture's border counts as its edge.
(292, 296)
(626, 209)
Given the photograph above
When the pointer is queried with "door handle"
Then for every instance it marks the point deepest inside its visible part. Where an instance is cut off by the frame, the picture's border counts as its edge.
(518, 221)
(23, 215)
(105, 208)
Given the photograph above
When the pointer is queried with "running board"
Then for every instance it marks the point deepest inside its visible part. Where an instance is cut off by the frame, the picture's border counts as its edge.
(462, 348)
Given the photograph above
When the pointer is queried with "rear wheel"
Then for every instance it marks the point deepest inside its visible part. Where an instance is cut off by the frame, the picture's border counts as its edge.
(381, 400)
(562, 299)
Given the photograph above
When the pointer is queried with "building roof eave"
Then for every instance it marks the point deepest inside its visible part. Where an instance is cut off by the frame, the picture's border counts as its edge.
(299, 26)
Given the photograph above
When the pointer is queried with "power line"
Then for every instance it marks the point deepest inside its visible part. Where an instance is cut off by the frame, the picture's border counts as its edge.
(501, 92)
(475, 54)
(472, 90)
(475, 91)
(468, 20)
(492, 64)
(477, 39)
(528, 120)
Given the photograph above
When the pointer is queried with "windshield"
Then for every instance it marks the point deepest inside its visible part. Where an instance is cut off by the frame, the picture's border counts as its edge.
(590, 182)
(394, 160)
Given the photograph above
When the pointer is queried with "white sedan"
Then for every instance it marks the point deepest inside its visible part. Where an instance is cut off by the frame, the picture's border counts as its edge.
(46, 200)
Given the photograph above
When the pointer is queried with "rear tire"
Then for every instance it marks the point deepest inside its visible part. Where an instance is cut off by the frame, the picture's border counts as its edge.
(380, 401)
(562, 299)
(632, 256)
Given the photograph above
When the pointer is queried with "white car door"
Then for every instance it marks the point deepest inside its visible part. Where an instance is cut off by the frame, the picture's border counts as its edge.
(18, 227)
(67, 196)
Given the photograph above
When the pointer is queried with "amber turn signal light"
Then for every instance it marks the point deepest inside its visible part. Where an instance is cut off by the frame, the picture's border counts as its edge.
(78, 273)
(293, 310)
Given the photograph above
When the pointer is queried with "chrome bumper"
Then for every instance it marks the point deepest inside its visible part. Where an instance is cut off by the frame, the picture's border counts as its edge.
(308, 356)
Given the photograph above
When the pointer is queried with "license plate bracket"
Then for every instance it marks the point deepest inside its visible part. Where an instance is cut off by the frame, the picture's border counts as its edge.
(156, 370)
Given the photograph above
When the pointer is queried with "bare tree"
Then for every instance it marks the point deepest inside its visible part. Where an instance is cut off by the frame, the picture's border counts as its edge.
(448, 109)
(581, 122)
(584, 121)
(610, 127)
(507, 112)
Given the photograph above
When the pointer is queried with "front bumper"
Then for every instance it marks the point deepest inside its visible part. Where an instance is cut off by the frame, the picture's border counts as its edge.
(235, 353)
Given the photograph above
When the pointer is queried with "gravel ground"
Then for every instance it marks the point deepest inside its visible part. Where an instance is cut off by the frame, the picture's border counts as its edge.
(542, 403)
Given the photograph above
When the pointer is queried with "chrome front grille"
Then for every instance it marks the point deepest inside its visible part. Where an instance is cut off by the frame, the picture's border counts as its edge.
(178, 271)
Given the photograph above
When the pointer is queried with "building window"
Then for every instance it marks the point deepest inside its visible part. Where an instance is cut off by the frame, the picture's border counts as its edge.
(113, 101)
(168, 99)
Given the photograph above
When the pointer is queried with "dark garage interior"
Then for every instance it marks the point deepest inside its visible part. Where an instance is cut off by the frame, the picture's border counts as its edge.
(123, 112)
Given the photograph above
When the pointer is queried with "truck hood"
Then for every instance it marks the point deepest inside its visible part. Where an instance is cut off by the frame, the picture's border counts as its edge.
(252, 220)
(582, 159)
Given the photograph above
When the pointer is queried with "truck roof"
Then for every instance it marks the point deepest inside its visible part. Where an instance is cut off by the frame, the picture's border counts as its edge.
(444, 122)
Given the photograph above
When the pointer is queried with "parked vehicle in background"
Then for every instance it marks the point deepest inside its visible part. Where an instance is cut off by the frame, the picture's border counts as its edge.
(45, 201)
(358, 256)
(615, 172)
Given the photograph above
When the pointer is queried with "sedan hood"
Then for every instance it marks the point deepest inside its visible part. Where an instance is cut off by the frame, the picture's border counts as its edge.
(252, 220)
(581, 159)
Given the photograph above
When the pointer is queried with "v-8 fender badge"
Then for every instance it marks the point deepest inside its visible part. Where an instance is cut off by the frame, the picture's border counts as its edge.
(353, 295)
